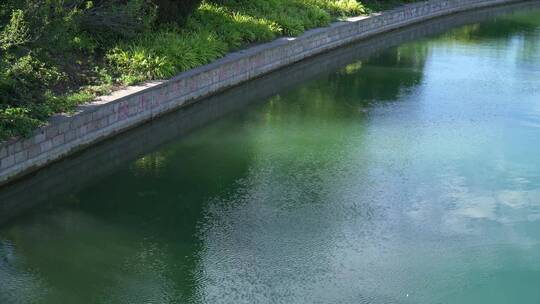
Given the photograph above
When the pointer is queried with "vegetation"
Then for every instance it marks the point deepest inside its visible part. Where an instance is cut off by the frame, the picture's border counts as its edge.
(56, 54)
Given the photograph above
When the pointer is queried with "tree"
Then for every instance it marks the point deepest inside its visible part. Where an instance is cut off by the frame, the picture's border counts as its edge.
(175, 11)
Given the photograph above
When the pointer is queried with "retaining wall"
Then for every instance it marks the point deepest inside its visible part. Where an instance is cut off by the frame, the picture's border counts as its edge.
(127, 108)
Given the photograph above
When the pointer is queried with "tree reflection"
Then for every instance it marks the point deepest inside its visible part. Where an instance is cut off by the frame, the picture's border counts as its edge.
(383, 77)
(522, 27)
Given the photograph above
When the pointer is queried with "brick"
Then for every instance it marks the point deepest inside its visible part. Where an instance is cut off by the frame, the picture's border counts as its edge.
(34, 151)
(112, 118)
(8, 161)
(96, 115)
(17, 147)
(39, 138)
(82, 131)
(58, 140)
(76, 122)
(63, 127)
(91, 126)
(70, 135)
(27, 143)
(21, 156)
(133, 109)
(46, 145)
(87, 118)
(105, 110)
(111, 109)
(51, 132)
(103, 122)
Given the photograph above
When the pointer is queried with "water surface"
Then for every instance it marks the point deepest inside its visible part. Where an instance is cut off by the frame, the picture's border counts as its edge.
(380, 173)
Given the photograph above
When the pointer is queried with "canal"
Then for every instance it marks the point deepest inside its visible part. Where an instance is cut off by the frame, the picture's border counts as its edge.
(401, 169)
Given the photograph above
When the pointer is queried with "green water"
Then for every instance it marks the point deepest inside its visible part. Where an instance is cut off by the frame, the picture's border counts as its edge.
(388, 174)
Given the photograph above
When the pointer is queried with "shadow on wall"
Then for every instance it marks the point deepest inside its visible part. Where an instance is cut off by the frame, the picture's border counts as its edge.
(73, 173)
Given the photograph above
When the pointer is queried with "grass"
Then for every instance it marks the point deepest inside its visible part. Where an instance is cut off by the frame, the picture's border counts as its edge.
(74, 61)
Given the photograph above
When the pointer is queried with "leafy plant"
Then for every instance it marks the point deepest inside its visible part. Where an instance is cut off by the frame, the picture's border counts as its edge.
(175, 11)
(55, 54)
(16, 32)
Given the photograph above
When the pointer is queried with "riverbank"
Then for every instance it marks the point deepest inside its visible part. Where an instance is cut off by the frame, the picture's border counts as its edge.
(54, 60)
(137, 104)
(401, 168)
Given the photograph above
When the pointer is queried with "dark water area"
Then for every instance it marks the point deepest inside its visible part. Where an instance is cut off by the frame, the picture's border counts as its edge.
(402, 169)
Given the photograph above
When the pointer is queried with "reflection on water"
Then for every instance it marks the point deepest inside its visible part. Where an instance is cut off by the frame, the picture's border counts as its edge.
(387, 172)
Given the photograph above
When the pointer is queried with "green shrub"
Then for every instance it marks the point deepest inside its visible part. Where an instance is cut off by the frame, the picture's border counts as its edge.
(26, 79)
(55, 54)
(163, 54)
(232, 27)
(16, 31)
(379, 5)
(339, 8)
(175, 11)
(108, 21)
(293, 16)
(16, 121)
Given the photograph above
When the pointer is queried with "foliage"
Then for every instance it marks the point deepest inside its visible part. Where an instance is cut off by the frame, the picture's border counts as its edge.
(16, 121)
(55, 54)
(16, 32)
(379, 5)
(163, 55)
(110, 20)
(215, 28)
(50, 54)
(175, 11)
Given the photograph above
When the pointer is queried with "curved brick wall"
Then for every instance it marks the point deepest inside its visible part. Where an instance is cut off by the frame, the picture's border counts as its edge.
(127, 108)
